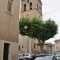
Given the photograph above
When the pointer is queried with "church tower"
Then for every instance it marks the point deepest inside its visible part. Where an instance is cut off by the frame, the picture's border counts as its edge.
(31, 8)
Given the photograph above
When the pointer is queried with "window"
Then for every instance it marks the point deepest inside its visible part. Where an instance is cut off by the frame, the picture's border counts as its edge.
(40, 2)
(19, 47)
(30, 6)
(37, 6)
(9, 5)
(27, 14)
(40, 8)
(24, 7)
(57, 48)
(22, 46)
(27, 1)
(34, 45)
(56, 43)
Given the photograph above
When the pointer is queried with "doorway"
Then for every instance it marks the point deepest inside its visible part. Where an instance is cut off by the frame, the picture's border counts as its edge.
(6, 51)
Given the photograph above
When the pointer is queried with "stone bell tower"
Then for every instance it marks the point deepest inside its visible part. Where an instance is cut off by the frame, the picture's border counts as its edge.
(31, 8)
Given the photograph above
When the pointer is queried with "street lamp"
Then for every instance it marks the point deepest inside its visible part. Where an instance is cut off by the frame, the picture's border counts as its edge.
(25, 27)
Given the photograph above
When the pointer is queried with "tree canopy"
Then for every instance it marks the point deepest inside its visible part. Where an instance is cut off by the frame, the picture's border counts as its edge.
(36, 28)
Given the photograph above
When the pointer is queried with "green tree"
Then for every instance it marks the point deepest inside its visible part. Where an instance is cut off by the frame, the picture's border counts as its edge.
(48, 30)
(38, 29)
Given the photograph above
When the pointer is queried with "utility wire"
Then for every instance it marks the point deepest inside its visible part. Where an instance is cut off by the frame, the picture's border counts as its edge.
(51, 11)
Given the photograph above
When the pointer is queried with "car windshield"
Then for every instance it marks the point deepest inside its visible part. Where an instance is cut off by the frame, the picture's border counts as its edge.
(20, 54)
(26, 54)
(23, 54)
(58, 55)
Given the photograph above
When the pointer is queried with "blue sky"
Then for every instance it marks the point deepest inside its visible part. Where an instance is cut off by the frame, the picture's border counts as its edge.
(51, 9)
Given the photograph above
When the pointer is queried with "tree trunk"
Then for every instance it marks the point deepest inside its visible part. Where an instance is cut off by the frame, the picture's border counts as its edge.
(41, 48)
(41, 44)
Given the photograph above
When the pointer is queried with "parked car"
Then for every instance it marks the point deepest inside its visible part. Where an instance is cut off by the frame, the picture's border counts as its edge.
(56, 56)
(25, 56)
(46, 57)
(20, 56)
(41, 55)
(28, 56)
(57, 52)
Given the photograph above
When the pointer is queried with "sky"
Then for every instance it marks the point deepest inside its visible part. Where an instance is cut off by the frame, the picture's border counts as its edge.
(51, 9)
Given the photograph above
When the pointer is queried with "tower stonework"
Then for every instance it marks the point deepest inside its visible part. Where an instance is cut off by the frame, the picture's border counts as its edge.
(31, 8)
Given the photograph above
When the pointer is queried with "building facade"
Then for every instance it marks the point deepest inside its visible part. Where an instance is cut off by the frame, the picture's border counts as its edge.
(48, 48)
(30, 8)
(53, 48)
(9, 29)
(57, 45)
(24, 44)
(32, 46)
